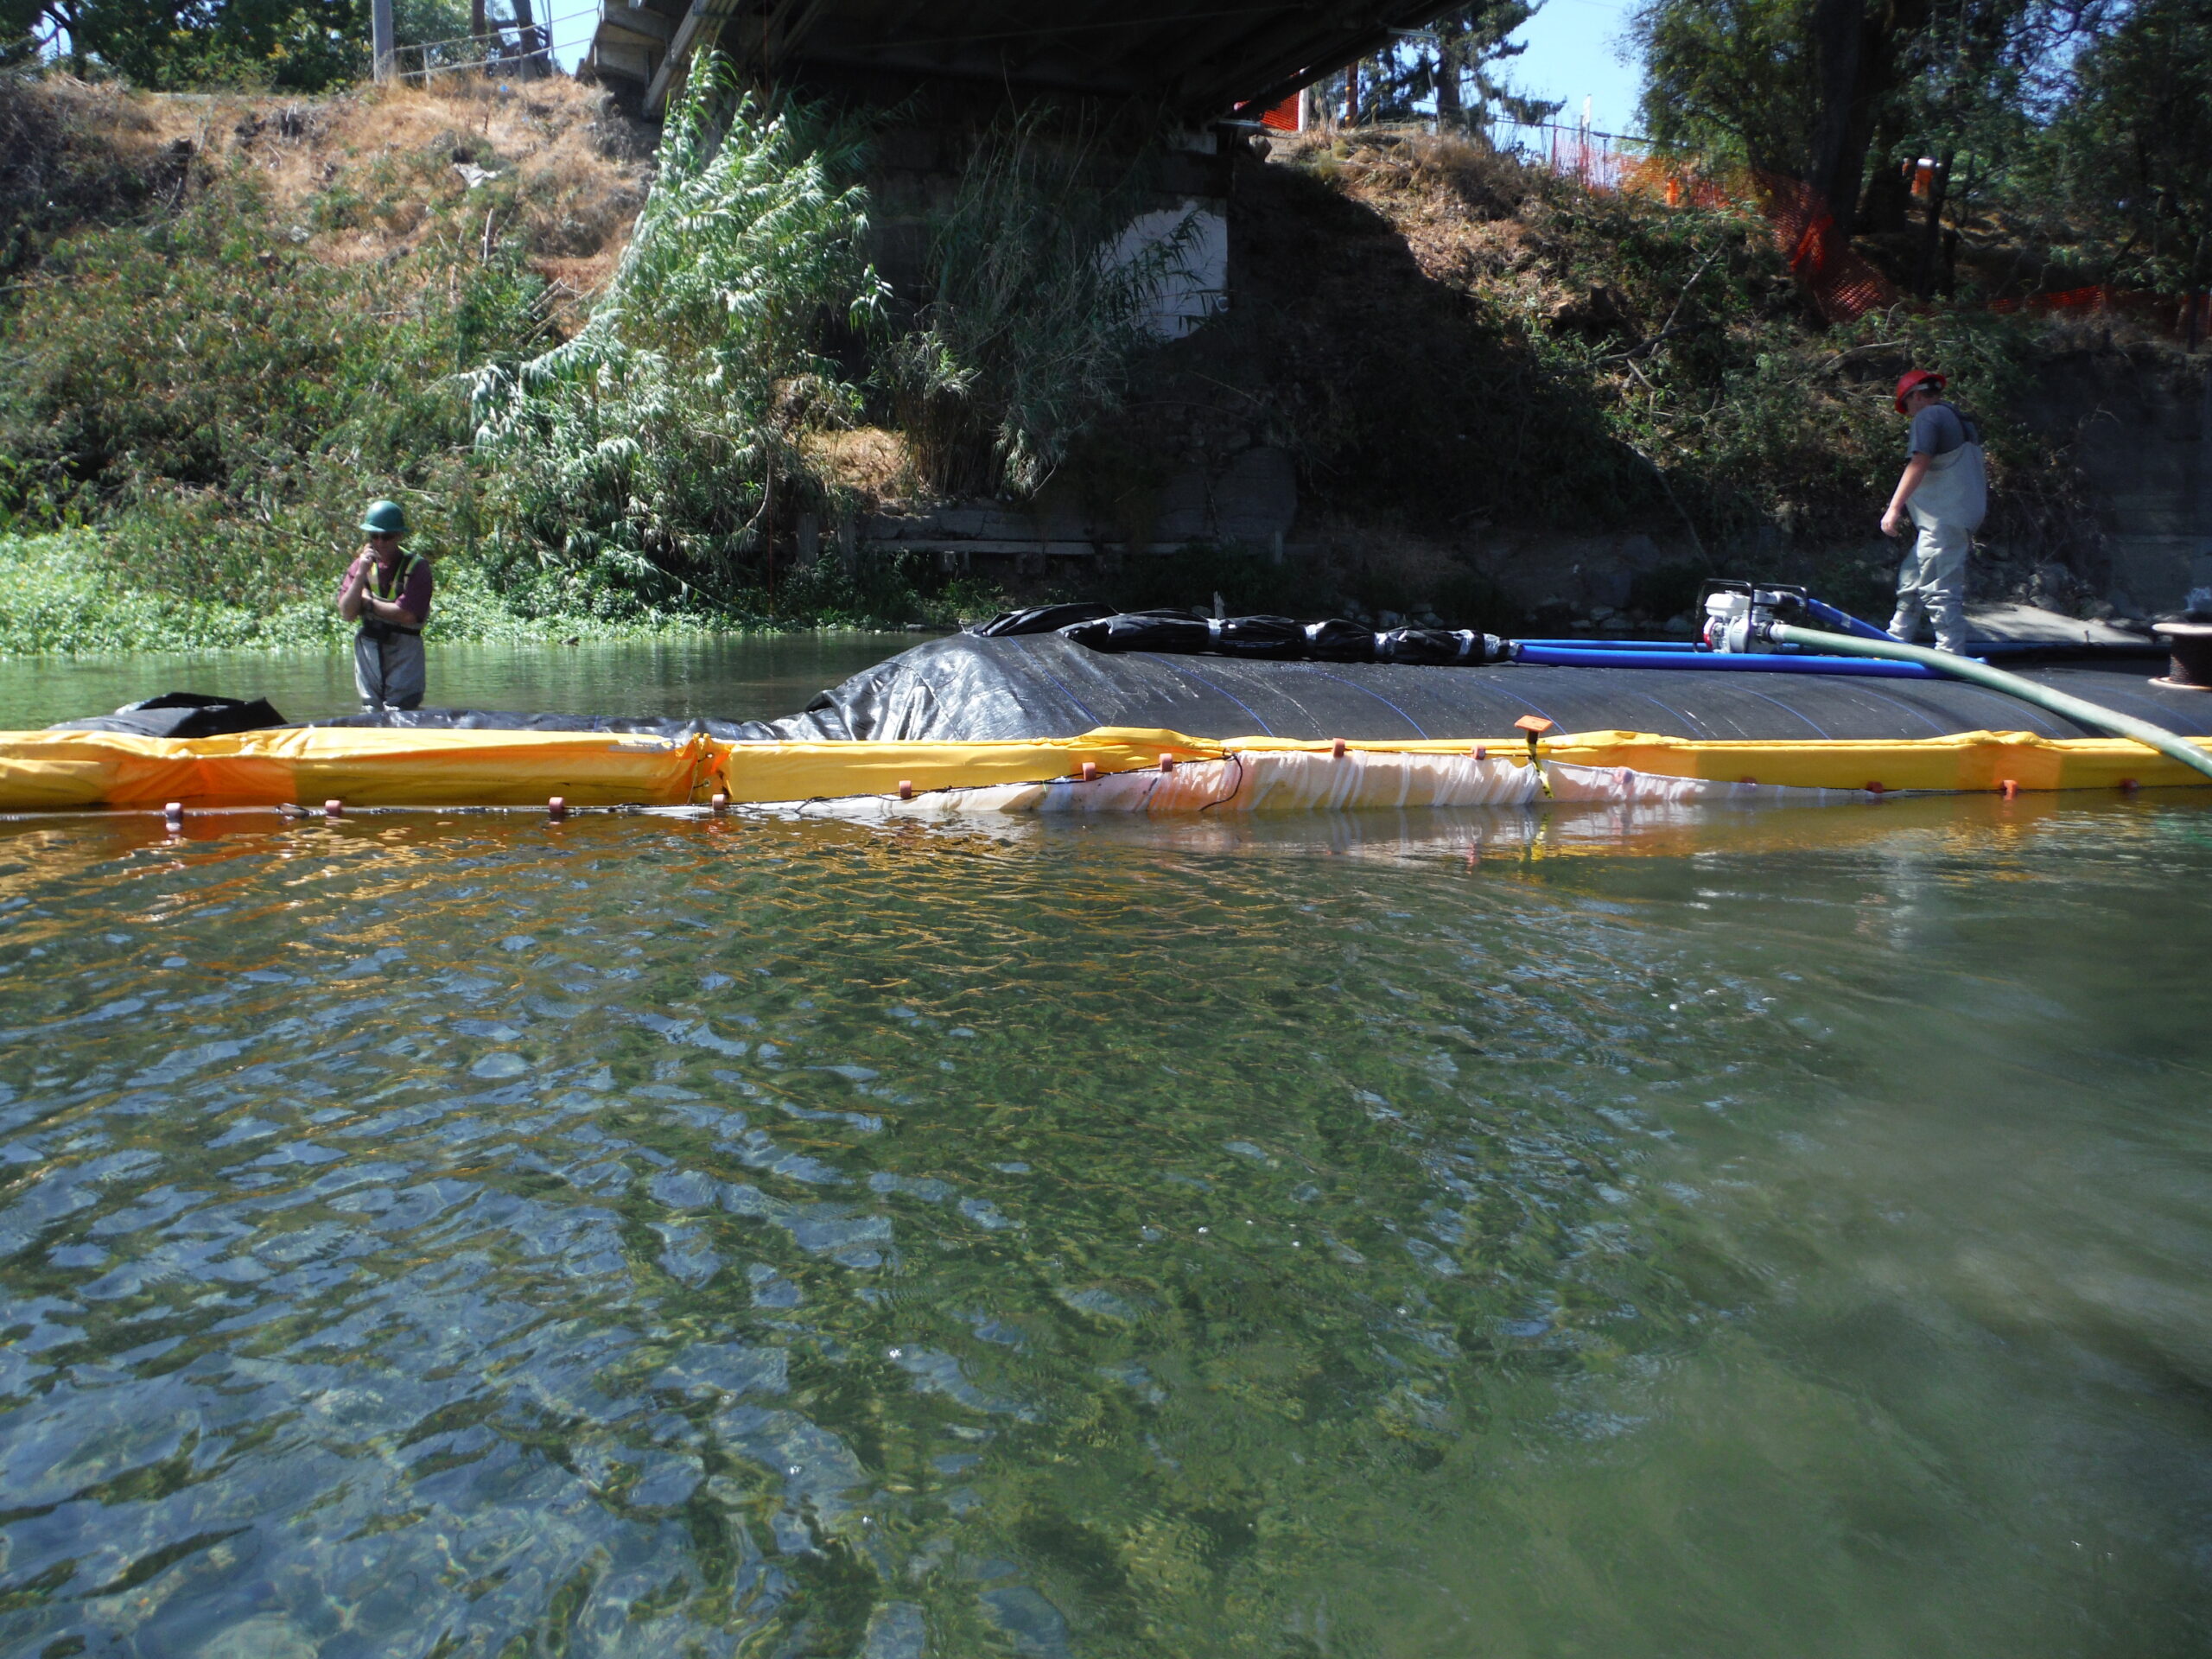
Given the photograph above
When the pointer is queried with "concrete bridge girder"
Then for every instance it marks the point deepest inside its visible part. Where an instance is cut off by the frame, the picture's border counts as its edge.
(952, 65)
(1197, 59)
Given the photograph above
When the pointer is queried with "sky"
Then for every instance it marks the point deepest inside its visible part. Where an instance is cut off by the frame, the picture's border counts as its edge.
(573, 23)
(1574, 54)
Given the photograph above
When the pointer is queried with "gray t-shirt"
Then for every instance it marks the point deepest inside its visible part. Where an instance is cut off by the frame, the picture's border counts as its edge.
(1938, 429)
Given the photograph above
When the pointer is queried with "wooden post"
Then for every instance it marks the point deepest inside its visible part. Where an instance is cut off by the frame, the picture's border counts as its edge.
(380, 40)
(1931, 231)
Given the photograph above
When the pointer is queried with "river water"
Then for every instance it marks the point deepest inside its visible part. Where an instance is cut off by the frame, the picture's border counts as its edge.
(733, 677)
(1755, 1233)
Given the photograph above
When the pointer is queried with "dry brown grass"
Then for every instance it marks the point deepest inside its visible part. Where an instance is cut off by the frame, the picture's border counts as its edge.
(578, 169)
(1469, 216)
(873, 465)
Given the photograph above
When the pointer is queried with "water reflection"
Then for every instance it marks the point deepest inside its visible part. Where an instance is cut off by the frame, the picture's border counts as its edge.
(756, 1237)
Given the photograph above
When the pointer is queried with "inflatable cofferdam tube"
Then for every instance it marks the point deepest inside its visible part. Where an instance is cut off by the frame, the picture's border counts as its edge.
(1104, 771)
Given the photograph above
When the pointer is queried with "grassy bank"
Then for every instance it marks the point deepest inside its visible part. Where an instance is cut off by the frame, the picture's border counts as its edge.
(1482, 369)
(65, 591)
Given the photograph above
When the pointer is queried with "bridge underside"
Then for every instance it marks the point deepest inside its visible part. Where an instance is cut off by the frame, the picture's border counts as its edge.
(1200, 58)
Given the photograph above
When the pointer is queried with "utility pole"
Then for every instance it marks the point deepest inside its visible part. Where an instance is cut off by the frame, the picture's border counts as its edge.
(380, 45)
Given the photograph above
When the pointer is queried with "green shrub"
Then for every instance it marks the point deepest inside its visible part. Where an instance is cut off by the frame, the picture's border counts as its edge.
(640, 466)
(263, 395)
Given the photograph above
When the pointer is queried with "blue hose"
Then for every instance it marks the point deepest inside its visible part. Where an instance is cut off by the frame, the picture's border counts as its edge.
(1591, 655)
(1678, 647)
(1981, 647)
(1619, 645)
(1842, 621)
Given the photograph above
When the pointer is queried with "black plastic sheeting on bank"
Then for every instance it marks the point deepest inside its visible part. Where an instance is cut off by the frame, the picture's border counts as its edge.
(182, 713)
(965, 688)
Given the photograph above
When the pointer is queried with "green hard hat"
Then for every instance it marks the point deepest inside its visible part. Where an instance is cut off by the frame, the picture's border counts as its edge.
(385, 518)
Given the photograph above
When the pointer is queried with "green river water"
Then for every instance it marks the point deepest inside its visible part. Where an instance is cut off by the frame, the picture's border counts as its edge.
(735, 676)
(1779, 1232)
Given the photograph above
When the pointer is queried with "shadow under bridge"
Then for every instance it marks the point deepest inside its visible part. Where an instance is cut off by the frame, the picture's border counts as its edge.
(1202, 59)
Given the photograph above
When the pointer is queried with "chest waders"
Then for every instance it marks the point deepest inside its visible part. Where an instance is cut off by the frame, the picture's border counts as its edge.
(389, 671)
(1946, 508)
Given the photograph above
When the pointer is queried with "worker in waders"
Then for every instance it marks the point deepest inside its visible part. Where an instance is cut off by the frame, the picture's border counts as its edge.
(388, 591)
(1945, 492)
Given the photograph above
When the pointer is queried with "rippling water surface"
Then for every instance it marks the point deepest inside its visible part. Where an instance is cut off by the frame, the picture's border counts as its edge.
(1780, 1234)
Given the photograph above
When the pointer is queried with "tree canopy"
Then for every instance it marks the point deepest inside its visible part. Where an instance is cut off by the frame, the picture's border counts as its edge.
(2087, 123)
(2130, 150)
(1452, 69)
(181, 45)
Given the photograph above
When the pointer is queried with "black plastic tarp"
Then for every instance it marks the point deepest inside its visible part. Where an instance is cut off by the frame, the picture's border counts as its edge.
(963, 688)
(182, 713)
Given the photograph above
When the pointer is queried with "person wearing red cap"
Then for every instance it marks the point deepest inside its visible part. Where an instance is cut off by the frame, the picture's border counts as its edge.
(1944, 494)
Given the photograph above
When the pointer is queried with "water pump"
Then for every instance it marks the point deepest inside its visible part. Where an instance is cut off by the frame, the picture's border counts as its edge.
(1737, 615)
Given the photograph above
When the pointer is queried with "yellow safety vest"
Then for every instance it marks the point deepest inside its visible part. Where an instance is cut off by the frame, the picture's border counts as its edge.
(376, 589)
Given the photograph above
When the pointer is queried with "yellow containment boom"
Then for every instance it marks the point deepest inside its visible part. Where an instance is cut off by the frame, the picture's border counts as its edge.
(370, 766)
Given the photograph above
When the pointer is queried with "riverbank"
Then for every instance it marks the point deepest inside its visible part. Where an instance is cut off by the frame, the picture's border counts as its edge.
(309, 284)
(1451, 384)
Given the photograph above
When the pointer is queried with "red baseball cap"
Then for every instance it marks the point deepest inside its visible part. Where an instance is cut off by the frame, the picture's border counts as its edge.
(1913, 380)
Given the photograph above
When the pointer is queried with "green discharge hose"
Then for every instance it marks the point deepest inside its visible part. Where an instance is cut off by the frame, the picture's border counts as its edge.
(1965, 668)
